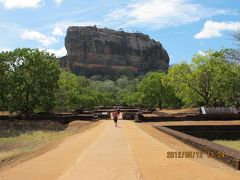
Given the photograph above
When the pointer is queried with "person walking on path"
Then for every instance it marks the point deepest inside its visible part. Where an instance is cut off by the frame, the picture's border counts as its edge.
(115, 117)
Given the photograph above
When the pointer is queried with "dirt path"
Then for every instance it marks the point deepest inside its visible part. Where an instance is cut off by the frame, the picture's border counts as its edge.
(105, 152)
(56, 162)
(109, 157)
(151, 156)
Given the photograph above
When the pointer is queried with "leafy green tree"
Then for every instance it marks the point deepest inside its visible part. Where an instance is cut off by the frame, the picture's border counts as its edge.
(87, 101)
(203, 82)
(133, 99)
(69, 91)
(152, 90)
(122, 82)
(208, 76)
(95, 78)
(171, 100)
(127, 90)
(123, 96)
(107, 86)
(75, 93)
(83, 82)
(178, 76)
(105, 99)
(4, 81)
(232, 92)
(33, 76)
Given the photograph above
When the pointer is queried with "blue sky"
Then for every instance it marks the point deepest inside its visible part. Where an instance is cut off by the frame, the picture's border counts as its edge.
(184, 27)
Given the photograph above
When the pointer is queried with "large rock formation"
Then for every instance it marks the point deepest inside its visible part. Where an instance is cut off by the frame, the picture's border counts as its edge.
(95, 51)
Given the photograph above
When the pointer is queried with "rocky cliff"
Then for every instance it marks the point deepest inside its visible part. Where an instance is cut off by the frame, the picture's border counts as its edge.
(95, 51)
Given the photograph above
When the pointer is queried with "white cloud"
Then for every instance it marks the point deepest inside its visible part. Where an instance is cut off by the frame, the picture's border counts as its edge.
(61, 27)
(58, 31)
(161, 13)
(14, 4)
(59, 53)
(39, 37)
(4, 49)
(202, 53)
(58, 1)
(215, 29)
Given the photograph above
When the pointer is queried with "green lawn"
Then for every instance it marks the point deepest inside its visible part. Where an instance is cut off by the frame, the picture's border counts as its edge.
(232, 144)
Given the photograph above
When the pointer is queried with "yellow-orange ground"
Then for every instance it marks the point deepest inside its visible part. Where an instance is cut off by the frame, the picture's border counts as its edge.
(130, 151)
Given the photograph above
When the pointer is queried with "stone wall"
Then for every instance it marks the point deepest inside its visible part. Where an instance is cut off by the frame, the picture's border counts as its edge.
(230, 156)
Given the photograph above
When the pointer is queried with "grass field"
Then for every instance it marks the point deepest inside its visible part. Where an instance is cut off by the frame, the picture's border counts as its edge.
(232, 144)
(21, 138)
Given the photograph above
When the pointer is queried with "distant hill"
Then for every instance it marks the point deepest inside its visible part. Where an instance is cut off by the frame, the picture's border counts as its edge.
(95, 51)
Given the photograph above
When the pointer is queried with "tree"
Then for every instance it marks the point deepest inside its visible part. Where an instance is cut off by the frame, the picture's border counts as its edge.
(232, 92)
(171, 100)
(178, 78)
(236, 37)
(105, 99)
(122, 82)
(69, 91)
(207, 78)
(233, 54)
(87, 101)
(203, 82)
(152, 90)
(83, 82)
(4, 78)
(133, 99)
(75, 93)
(33, 76)
(107, 86)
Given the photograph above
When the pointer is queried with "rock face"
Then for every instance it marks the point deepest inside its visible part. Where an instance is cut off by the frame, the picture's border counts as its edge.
(94, 51)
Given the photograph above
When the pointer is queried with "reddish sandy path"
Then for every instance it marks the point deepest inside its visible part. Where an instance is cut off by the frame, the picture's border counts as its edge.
(105, 152)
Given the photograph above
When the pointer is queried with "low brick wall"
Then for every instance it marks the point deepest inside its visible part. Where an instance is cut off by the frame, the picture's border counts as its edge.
(112, 110)
(128, 115)
(231, 156)
(200, 117)
(62, 118)
(103, 115)
(210, 132)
